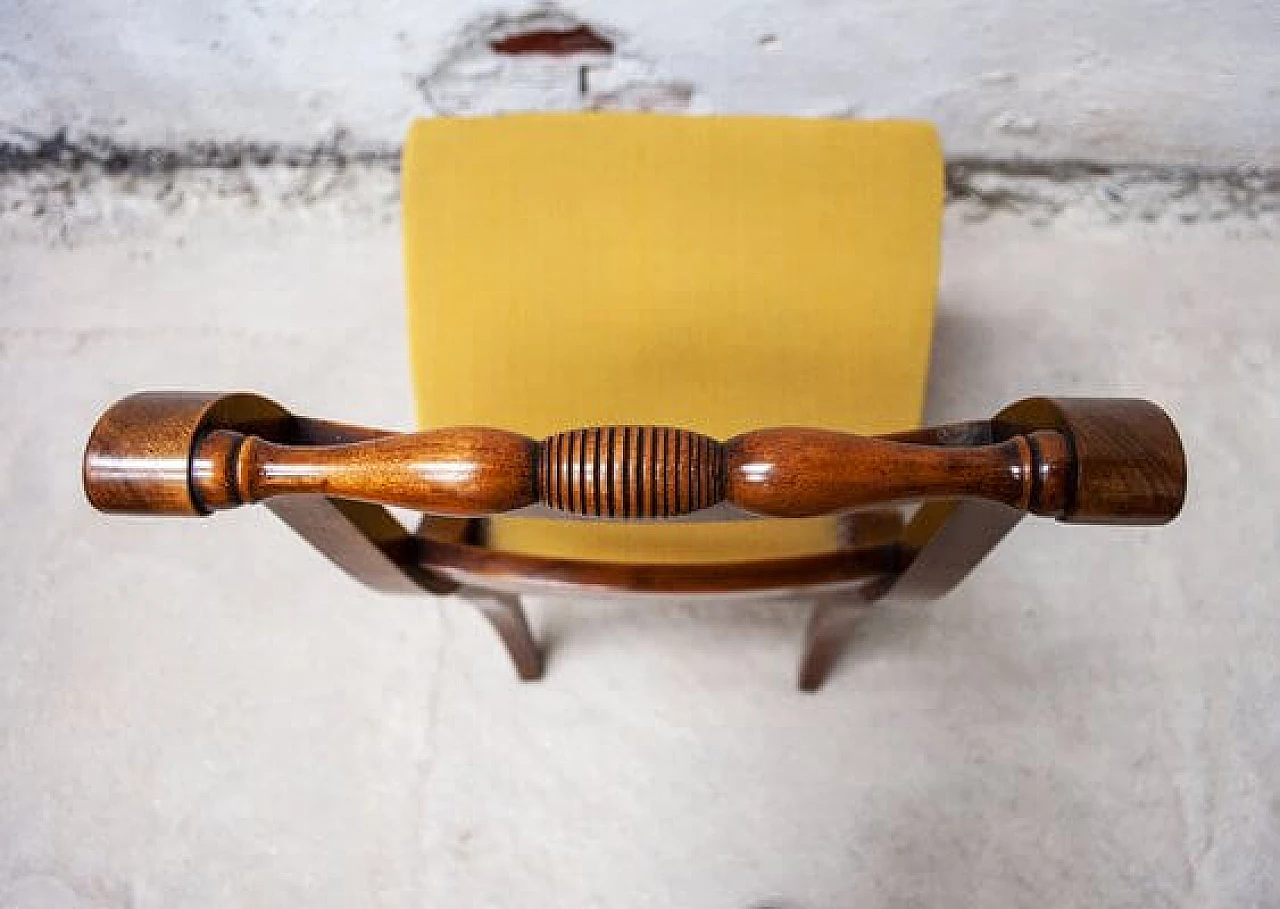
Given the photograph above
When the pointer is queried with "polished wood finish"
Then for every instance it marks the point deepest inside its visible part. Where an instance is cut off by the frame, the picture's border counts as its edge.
(455, 472)
(1078, 460)
(630, 472)
(138, 460)
(795, 473)
(1128, 466)
(151, 453)
(482, 567)
(1083, 461)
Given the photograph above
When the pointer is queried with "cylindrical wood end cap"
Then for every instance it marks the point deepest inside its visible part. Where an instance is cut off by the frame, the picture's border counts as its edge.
(1129, 464)
(138, 459)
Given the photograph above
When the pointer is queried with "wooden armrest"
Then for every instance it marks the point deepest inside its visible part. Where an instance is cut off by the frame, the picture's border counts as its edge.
(1080, 460)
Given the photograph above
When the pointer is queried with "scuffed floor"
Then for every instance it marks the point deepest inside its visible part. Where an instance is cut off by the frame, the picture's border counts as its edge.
(203, 713)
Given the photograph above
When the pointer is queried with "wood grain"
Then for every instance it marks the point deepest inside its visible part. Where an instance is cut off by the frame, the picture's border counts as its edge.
(1126, 464)
(1078, 460)
(1101, 461)
(628, 472)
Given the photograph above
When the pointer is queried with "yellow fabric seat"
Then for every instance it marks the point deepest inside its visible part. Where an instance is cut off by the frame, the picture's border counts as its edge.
(716, 274)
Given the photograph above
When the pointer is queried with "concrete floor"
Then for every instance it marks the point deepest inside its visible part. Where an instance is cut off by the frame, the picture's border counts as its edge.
(203, 713)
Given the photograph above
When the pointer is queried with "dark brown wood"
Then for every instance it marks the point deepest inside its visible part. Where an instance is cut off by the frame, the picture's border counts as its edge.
(835, 615)
(372, 547)
(973, 432)
(456, 472)
(942, 544)
(827, 633)
(1095, 462)
(1126, 463)
(507, 617)
(139, 456)
(483, 567)
(364, 540)
(792, 473)
(145, 455)
(630, 472)
(1079, 460)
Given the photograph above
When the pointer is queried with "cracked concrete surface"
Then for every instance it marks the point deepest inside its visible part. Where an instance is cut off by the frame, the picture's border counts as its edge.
(1190, 82)
(489, 69)
(202, 713)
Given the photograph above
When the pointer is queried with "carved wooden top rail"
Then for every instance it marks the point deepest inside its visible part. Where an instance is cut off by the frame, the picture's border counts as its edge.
(1110, 461)
(1079, 460)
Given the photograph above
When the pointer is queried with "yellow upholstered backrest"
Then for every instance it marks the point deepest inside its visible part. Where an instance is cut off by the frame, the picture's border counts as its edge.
(717, 274)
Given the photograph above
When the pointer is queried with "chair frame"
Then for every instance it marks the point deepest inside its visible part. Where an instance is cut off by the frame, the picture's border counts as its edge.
(1079, 460)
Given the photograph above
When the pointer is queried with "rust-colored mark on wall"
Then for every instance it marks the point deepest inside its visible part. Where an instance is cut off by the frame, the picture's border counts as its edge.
(554, 42)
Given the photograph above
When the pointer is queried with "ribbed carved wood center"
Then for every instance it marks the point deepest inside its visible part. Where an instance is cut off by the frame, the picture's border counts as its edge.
(630, 472)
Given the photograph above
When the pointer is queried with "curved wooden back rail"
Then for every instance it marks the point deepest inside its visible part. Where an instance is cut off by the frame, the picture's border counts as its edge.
(1079, 460)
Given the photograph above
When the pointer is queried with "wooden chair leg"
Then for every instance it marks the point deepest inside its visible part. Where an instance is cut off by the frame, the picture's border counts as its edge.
(503, 610)
(370, 545)
(945, 540)
(833, 618)
(506, 615)
(830, 626)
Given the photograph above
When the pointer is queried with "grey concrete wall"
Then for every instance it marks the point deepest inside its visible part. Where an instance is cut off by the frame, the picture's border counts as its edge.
(204, 714)
(1134, 80)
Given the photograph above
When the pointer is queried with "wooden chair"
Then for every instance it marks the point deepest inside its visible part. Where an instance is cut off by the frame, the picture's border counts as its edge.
(603, 311)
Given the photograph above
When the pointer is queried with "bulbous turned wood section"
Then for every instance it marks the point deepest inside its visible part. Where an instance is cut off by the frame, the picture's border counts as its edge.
(1081, 460)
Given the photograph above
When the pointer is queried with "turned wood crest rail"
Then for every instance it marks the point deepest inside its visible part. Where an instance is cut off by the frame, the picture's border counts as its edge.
(1101, 461)
(1079, 460)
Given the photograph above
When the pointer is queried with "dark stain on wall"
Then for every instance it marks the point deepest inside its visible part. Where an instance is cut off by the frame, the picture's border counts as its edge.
(59, 150)
(553, 42)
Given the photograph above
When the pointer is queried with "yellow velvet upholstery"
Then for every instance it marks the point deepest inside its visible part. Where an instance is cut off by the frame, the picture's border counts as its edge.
(717, 274)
